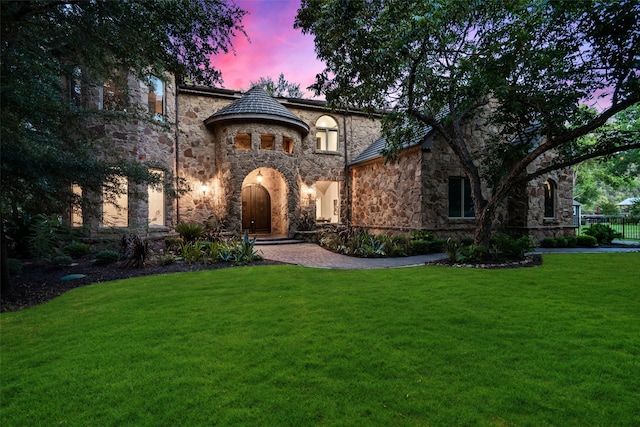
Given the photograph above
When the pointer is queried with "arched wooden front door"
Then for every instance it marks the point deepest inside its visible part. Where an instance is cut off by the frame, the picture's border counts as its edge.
(256, 209)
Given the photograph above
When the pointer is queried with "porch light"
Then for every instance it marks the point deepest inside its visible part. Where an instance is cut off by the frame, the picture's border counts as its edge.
(259, 177)
(204, 188)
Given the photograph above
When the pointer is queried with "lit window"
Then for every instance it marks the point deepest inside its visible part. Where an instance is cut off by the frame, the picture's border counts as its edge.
(115, 208)
(267, 142)
(156, 97)
(243, 141)
(76, 211)
(327, 201)
(549, 199)
(156, 201)
(326, 134)
(287, 145)
(460, 201)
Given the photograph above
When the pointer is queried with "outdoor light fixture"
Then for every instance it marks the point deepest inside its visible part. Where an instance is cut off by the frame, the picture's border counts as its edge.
(259, 177)
(204, 189)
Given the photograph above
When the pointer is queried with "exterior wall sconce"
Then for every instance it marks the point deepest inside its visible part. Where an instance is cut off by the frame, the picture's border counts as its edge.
(205, 189)
(259, 177)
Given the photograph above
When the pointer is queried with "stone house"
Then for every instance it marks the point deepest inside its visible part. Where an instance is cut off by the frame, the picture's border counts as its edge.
(272, 165)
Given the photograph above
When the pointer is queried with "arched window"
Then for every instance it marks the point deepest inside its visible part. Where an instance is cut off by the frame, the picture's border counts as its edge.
(549, 199)
(326, 134)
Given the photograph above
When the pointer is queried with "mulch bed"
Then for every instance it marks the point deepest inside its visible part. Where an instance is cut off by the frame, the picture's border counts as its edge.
(530, 261)
(38, 283)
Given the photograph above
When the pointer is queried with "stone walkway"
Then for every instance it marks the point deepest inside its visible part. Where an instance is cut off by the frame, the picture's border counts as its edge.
(312, 255)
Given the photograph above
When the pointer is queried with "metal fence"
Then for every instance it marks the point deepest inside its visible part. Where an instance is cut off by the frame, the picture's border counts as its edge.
(628, 226)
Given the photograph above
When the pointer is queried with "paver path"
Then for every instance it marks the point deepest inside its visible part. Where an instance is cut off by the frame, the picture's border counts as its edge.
(312, 255)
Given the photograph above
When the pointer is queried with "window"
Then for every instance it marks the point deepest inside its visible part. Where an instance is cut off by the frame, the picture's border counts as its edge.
(76, 211)
(114, 207)
(156, 201)
(327, 201)
(267, 142)
(326, 134)
(156, 97)
(549, 199)
(114, 96)
(460, 201)
(287, 145)
(243, 141)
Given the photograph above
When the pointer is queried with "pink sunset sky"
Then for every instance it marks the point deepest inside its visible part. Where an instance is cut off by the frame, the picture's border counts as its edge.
(275, 47)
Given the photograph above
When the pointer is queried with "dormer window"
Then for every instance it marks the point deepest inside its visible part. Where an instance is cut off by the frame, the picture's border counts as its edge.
(326, 134)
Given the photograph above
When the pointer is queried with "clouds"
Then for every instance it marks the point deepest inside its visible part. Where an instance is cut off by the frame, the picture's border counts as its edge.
(275, 47)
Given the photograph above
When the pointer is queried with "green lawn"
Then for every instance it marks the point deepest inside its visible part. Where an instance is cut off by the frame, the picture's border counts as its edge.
(269, 346)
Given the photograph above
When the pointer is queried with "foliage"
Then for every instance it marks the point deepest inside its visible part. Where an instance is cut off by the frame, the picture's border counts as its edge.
(307, 222)
(77, 249)
(587, 241)
(509, 247)
(451, 249)
(167, 259)
(244, 251)
(192, 251)
(612, 178)
(45, 236)
(603, 233)
(134, 250)
(281, 89)
(472, 253)
(213, 229)
(107, 256)
(608, 208)
(560, 242)
(172, 244)
(190, 232)
(15, 266)
(447, 62)
(61, 261)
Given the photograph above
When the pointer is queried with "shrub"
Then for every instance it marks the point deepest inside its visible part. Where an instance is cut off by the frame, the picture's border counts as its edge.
(561, 242)
(587, 241)
(451, 249)
(45, 235)
(421, 235)
(421, 247)
(15, 266)
(167, 259)
(190, 232)
(107, 256)
(77, 249)
(508, 247)
(134, 249)
(571, 241)
(602, 232)
(172, 244)
(472, 253)
(548, 242)
(61, 261)
(244, 251)
(466, 241)
(192, 252)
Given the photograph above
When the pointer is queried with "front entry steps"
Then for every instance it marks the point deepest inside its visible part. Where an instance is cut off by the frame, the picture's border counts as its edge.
(265, 240)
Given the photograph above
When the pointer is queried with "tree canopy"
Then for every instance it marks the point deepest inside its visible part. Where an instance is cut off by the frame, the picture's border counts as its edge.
(44, 148)
(525, 66)
(44, 140)
(281, 88)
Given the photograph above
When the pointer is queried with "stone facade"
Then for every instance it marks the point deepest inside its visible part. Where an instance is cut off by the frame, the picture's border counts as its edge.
(219, 142)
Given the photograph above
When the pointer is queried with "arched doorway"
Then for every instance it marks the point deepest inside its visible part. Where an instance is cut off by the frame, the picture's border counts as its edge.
(256, 209)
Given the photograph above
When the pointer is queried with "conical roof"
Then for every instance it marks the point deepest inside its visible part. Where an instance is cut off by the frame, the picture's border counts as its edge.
(257, 106)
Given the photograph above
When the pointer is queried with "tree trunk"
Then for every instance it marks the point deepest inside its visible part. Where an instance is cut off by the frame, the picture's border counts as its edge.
(5, 281)
(484, 218)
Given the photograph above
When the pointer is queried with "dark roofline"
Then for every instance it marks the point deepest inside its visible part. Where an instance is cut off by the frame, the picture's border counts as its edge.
(264, 118)
(311, 104)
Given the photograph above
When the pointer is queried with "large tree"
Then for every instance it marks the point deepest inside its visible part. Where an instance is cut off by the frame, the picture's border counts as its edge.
(523, 66)
(44, 148)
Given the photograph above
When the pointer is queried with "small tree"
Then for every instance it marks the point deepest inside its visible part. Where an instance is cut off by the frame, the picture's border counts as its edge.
(281, 88)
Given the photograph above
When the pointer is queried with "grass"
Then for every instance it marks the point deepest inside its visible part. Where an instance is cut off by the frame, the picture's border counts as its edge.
(552, 345)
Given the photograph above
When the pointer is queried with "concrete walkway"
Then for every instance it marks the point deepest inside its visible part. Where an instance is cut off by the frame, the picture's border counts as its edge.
(312, 255)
